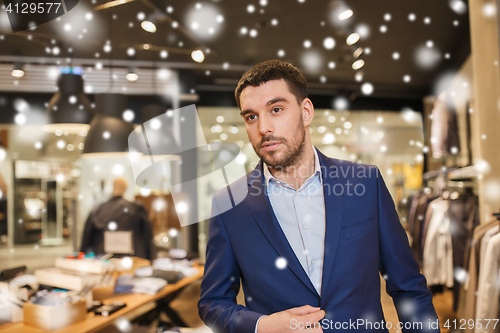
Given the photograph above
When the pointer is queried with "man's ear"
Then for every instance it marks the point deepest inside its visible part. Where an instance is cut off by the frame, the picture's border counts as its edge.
(307, 109)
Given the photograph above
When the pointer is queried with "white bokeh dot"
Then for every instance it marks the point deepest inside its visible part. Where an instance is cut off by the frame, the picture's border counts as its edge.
(489, 10)
(281, 263)
(367, 88)
(341, 103)
(128, 115)
(155, 124)
(329, 43)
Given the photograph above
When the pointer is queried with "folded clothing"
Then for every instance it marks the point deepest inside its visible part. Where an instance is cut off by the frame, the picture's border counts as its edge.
(167, 264)
(148, 285)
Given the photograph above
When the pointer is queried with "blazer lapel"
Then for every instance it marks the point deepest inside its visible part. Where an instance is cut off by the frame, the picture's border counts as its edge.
(334, 205)
(261, 209)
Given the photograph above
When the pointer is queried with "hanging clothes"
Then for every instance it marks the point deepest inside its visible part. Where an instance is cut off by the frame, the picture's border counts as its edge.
(470, 286)
(416, 218)
(438, 252)
(426, 222)
(489, 284)
(463, 213)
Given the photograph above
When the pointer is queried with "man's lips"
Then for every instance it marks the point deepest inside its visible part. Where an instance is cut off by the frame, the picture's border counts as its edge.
(270, 146)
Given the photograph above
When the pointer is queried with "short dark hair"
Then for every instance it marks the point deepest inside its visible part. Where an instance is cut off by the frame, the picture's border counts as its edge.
(273, 70)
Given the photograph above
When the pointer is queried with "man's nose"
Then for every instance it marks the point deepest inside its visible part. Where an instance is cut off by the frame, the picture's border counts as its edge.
(265, 126)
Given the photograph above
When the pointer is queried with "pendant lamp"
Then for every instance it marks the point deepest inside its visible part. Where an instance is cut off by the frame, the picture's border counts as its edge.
(69, 109)
(158, 130)
(108, 133)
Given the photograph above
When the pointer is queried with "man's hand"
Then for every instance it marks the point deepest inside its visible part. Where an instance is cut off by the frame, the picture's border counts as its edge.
(292, 320)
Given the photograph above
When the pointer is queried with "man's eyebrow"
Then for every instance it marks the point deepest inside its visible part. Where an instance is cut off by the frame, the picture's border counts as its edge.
(276, 100)
(242, 113)
(270, 102)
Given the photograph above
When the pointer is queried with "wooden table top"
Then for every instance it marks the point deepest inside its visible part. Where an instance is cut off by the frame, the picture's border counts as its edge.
(95, 323)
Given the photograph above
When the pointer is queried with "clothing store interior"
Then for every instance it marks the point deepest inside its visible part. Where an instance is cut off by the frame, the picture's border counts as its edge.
(102, 230)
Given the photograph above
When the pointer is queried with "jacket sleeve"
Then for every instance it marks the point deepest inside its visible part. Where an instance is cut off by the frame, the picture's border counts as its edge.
(221, 283)
(87, 235)
(147, 234)
(404, 283)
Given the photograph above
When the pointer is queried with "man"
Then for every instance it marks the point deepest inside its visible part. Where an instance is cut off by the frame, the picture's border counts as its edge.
(313, 233)
(119, 214)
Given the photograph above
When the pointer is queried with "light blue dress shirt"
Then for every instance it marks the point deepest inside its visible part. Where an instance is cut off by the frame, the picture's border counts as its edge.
(301, 216)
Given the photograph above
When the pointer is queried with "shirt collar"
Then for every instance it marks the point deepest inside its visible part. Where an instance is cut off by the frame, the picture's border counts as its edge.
(317, 170)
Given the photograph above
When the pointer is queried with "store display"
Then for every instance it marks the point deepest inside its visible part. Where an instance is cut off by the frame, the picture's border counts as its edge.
(66, 279)
(442, 220)
(54, 317)
(88, 265)
(118, 215)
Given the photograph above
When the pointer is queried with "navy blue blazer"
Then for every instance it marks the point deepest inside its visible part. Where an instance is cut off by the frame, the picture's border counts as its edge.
(363, 237)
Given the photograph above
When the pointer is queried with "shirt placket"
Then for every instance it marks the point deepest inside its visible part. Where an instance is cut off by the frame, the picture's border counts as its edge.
(295, 200)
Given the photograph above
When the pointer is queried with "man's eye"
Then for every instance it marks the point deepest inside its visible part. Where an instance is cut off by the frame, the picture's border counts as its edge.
(251, 117)
(275, 110)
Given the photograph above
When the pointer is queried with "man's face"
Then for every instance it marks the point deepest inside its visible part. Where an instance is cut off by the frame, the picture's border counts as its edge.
(275, 122)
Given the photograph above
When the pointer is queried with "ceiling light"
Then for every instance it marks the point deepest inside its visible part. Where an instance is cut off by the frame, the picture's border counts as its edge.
(132, 76)
(198, 56)
(353, 38)
(148, 26)
(345, 14)
(358, 64)
(358, 52)
(69, 109)
(17, 72)
(111, 4)
(108, 120)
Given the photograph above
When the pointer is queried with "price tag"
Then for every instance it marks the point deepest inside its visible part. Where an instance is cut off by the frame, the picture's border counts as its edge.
(119, 242)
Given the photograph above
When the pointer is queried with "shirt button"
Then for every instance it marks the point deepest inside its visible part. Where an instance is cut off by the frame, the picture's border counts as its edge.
(305, 226)
(313, 262)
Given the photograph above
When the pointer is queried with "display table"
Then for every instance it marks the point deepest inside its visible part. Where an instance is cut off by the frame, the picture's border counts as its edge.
(95, 323)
